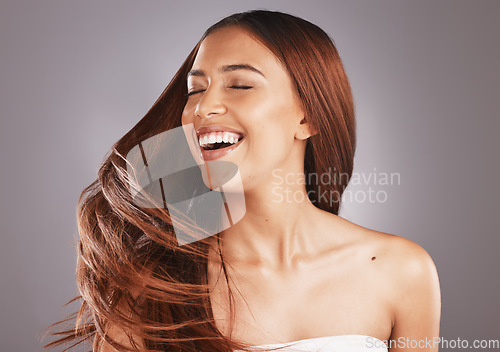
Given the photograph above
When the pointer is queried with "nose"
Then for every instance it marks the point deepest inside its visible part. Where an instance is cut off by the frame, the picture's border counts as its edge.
(210, 104)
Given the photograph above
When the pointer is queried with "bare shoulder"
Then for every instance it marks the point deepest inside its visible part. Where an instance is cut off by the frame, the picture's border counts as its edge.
(399, 256)
(405, 261)
(409, 255)
(399, 274)
(405, 270)
(398, 263)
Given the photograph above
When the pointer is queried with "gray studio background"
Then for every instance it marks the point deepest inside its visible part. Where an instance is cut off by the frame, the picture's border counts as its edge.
(77, 75)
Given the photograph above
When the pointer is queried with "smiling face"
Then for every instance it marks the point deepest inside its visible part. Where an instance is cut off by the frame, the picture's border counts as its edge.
(238, 91)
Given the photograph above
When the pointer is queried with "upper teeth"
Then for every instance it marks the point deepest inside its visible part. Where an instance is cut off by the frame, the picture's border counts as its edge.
(218, 137)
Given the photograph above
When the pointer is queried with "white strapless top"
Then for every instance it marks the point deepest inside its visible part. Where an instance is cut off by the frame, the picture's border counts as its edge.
(340, 343)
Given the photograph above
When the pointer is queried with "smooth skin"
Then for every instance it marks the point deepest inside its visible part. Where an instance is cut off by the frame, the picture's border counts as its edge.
(297, 272)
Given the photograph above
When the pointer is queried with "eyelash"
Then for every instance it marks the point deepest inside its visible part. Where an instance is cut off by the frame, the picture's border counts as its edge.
(234, 87)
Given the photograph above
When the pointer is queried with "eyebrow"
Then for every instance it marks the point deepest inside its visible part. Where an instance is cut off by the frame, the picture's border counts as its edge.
(227, 68)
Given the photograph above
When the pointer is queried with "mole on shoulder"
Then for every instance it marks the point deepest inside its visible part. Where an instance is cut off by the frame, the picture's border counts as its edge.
(373, 258)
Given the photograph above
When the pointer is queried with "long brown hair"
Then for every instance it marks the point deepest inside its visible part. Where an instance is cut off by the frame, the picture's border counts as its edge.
(131, 273)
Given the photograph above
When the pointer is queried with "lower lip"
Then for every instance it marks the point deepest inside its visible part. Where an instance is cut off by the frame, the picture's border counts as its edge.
(218, 153)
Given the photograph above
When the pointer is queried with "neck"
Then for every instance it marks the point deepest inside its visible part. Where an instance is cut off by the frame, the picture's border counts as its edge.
(279, 227)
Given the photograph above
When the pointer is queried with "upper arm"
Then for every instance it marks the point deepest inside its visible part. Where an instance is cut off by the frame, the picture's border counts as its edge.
(417, 301)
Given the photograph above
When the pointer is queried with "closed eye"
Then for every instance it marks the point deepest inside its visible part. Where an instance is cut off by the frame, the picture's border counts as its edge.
(194, 92)
(188, 94)
(240, 87)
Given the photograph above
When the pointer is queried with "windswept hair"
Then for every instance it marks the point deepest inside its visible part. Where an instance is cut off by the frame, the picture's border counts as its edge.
(131, 273)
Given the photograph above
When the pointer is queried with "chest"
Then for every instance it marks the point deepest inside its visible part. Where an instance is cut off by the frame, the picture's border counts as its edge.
(302, 305)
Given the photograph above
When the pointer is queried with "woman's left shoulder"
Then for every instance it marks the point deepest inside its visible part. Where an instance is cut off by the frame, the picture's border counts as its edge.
(409, 278)
(410, 281)
(396, 259)
(405, 255)
(405, 263)
(397, 251)
(404, 274)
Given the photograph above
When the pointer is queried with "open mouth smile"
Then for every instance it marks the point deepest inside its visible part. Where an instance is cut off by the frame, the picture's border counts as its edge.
(216, 144)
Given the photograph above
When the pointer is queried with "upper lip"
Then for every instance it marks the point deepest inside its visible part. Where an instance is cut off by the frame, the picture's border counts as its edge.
(208, 129)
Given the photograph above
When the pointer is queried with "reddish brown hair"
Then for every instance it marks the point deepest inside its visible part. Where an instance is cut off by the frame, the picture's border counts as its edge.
(131, 273)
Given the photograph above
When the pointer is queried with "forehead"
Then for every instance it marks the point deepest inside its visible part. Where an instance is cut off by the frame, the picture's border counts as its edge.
(233, 45)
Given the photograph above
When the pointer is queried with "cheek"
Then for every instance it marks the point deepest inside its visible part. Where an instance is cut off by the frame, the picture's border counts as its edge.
(269, 124)
(274, 123)
(270, 143)
(187, 117)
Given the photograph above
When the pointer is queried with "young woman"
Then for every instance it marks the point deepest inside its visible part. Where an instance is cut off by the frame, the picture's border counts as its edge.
(265, 91)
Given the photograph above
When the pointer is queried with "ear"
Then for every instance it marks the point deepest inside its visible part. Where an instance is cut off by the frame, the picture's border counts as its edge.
(304, 130)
